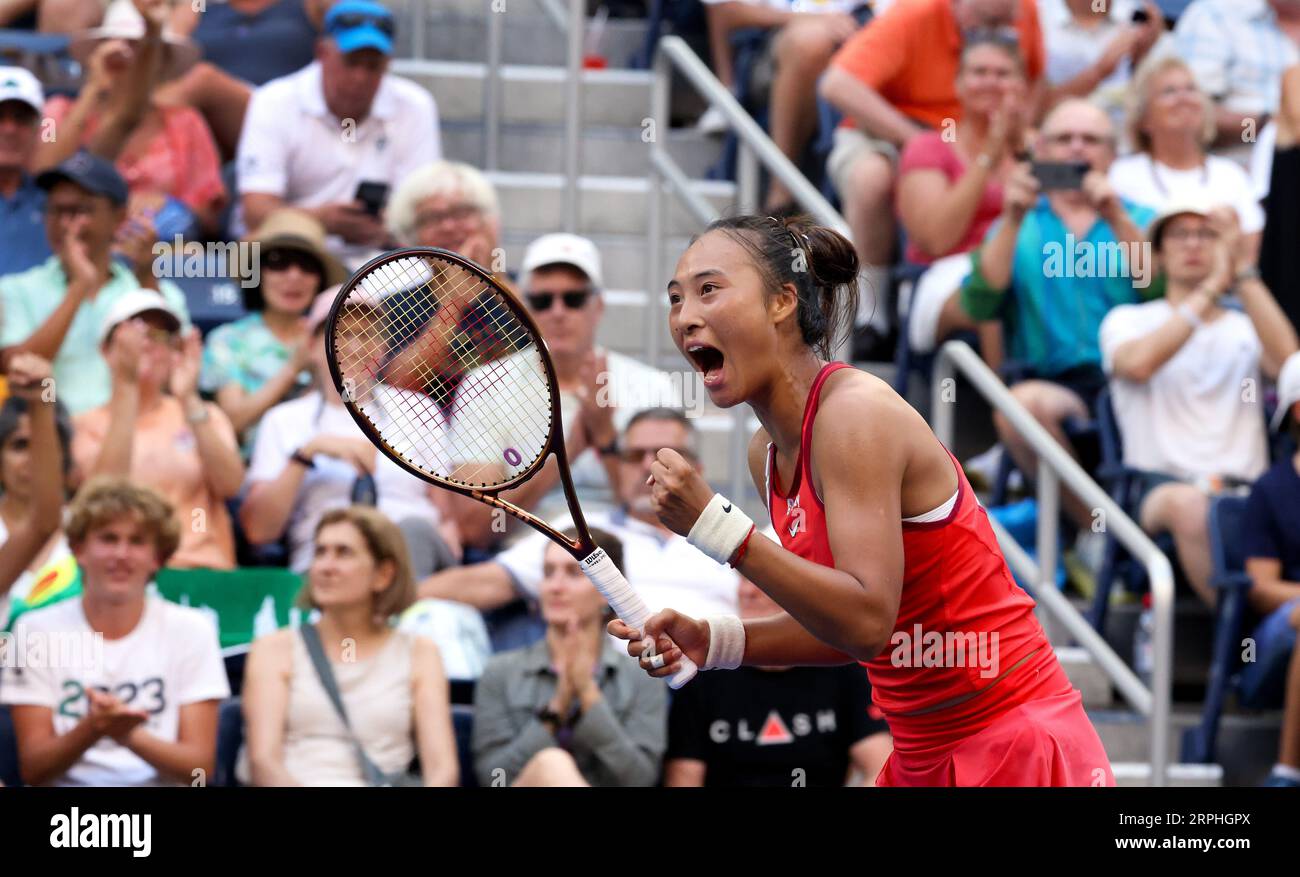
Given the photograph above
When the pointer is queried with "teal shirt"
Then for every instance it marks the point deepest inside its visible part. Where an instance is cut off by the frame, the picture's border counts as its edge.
(246, 353)
(1061, 289)
(81, 377)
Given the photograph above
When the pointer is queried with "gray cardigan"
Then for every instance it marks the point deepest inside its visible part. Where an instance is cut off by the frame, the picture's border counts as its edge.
(618, 742)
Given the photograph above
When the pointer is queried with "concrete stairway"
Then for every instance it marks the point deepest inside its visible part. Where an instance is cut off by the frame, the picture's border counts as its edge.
(614, 162)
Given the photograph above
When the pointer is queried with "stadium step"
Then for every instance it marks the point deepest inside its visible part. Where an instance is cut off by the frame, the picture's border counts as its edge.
(1087, 676)
(1247, 743)
(534, 202)
(1193, 636)
(624, 257)
(532, 93)
(528, 35)
(605, 150)
(1138, 773)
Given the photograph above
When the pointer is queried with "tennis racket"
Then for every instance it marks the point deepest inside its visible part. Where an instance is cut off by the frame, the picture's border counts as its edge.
(474, 407)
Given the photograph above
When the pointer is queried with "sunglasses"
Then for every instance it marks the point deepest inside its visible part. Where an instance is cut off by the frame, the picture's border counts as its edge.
(283, 260)
(574, 299)
(348, 21)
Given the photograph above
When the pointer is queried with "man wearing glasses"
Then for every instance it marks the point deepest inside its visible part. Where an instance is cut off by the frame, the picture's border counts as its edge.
(661, 566)
(561, 283)
(21, 201)
(1179, 366)
(55, 310)
(334, 137)
(1047, 271)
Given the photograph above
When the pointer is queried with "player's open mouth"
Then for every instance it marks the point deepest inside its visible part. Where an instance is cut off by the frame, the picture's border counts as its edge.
(708, 360)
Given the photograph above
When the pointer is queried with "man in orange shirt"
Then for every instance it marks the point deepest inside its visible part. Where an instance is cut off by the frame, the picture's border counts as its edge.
(892, 80)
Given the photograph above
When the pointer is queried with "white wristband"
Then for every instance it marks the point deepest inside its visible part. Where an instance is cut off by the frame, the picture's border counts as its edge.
(726, 642)
(1188, 313)
(720, 529)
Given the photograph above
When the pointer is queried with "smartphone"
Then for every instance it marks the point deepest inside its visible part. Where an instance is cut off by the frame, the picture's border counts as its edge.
(1060, 174)
(174, 220)
(372, 195)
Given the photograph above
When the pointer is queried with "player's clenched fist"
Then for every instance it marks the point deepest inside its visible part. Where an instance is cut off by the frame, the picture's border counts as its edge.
(672, 633)
(678, 493)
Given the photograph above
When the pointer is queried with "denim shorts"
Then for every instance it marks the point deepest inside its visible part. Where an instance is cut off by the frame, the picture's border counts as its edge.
(1263, 680)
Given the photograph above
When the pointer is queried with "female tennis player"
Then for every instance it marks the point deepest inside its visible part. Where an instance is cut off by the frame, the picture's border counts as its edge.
(886, 556)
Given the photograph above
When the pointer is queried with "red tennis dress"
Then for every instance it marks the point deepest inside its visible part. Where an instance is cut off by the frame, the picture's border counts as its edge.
(963, 624)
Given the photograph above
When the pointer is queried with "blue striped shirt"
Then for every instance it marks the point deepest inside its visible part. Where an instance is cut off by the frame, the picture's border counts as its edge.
(1237, 52)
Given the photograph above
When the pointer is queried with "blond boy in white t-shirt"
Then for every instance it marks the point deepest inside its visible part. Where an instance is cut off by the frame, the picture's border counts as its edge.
(115, 688)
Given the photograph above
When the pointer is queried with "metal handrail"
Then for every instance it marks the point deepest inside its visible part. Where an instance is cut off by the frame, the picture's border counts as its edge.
(1055, 465)
(755, 149)
(492, 99)
(674, 52)
(573, 112)
(492, 106)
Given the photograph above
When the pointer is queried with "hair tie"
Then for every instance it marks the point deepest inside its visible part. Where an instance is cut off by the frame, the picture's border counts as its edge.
(795, 238)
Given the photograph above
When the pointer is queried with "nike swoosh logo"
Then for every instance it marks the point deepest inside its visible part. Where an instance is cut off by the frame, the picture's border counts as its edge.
(726, 509)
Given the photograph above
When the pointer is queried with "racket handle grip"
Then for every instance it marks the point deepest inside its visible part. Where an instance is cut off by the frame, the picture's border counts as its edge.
(628, 605)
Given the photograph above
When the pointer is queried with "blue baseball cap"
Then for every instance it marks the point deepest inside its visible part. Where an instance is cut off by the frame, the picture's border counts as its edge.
(360, 24)
(92, 173)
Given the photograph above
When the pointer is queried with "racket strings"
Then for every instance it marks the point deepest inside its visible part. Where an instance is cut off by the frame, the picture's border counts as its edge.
(438, 361)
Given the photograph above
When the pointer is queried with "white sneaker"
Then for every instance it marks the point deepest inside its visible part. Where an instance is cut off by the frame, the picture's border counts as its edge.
(712, 123)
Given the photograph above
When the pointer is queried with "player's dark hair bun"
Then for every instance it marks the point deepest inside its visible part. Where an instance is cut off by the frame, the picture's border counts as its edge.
(819, 261)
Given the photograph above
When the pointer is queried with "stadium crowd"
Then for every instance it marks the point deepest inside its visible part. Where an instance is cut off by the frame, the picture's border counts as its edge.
(966, 140)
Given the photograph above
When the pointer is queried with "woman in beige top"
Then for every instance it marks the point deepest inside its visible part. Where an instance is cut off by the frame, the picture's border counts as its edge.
(392, 683)
(156, 430)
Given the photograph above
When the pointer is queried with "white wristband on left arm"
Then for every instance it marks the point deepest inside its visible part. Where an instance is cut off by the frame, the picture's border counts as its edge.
(720, 529)
(726, 642)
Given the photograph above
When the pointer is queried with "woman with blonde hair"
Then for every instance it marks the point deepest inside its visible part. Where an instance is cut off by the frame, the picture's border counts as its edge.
(447, 204)
(350, 700)
(450, 205)
(1171, 127)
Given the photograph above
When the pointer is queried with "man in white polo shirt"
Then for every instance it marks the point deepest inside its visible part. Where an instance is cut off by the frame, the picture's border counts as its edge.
(311, 139)
(663, 567)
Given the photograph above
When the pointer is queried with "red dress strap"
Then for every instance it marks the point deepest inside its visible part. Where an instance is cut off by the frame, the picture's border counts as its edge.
(803, 466)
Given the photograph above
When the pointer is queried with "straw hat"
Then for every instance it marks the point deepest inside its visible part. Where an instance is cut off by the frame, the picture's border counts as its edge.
(290, 229)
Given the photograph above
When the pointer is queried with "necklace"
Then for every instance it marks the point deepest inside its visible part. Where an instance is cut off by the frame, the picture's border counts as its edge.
(1160, 186)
